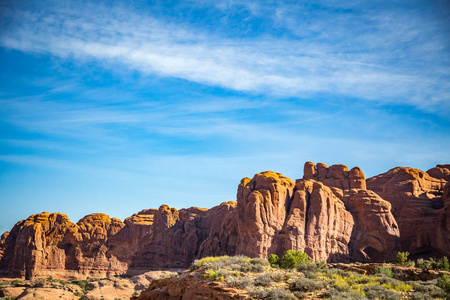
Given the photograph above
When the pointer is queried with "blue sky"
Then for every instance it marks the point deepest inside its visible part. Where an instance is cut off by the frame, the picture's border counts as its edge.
(119, 106)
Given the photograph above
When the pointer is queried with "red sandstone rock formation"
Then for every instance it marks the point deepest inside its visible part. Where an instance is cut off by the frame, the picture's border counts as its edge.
(375, 235)
(419, 205)
(329, 214)
(317, 223)
(263, 204)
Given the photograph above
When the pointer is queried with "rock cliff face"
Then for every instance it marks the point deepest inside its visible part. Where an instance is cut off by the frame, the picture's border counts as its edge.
(329, 214)
(420, 206)
(375, 234)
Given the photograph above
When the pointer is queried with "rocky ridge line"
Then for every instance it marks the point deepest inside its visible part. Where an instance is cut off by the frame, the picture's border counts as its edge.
(332, 213)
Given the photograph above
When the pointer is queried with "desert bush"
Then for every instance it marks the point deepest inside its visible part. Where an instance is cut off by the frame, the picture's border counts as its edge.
(263, 280)
(402, 259)
(444, 283)
(300, 295)
(420, 296)
(257, 264)
(240, 282)
(330, 272)
(397, 285)
(232, 263)
(16, 282)
(211, 275)
(200, 262)
(428, 287)
(335, 294)
(423, 264)
(311, 274)
(306, 266)
(443, 264)
(83, 284)
(258, 293)
(292, 259)
(277, 277)
(274, 261)
(364, 279)
(384, 270)
(380, 293)
(280, 294)
(321, 265)
(307, 285)
(432, 264)
(223, 273)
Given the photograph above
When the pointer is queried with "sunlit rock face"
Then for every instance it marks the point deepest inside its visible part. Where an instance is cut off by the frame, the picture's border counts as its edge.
(332, 214)
(375, 233)
(420, 205)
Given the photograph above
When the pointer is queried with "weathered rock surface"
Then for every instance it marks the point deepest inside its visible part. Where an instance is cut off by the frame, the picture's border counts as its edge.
(191, 286)
(37, 293)
(419, 203)
(375, 234)
(317, 223)
(263, 205)
(329, 214)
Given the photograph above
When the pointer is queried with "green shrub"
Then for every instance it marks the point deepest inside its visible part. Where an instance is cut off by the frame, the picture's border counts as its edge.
(444, 283)
(443, 264)
(280, 294)
(380, 293)
(83, 284)
(384, 270)
(211, 275)
(16, 282)
(292, 259)
(402, 259)
(274, 261)
(307, 285)
(321, 265)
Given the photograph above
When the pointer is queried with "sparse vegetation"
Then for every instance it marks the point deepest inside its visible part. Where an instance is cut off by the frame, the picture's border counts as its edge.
(292, 259)
(402, 259)
(295, 276)
(384, 270)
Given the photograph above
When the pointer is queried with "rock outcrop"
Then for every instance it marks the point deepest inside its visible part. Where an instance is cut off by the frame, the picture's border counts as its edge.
(375, 234)
(329, 214)
(420, 207)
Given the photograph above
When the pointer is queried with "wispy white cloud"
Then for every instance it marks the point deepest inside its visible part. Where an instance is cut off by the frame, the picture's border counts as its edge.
(279, 66)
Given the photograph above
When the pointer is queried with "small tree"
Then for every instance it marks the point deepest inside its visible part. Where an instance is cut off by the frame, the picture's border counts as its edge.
(274, 261)
(292, 258)
(402, 259)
